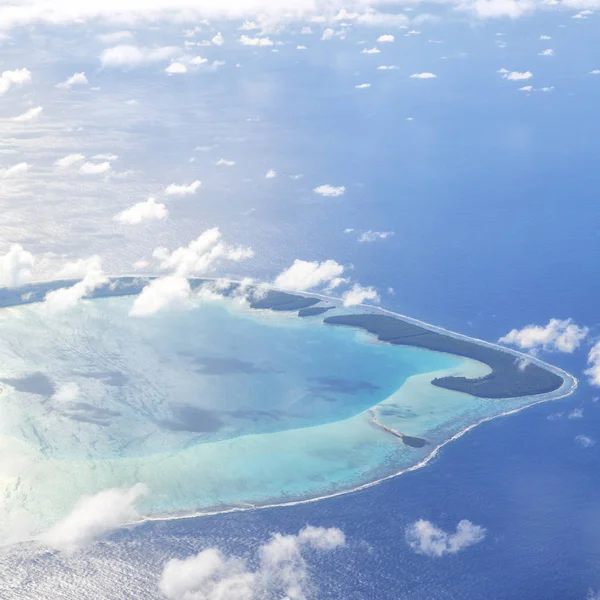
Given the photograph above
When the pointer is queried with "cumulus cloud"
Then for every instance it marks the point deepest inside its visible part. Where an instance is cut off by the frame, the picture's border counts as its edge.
(425, 538)
(388, 68)
(75, 79)
(161, 293)
(423, 76)
(593, 370)
(358, 294)
(370, 51)
(15, 171)
(360, 86)
(90, 168)
(115, 36)
(547, 52)
(201, 255)
(64, 298)
(271, 174)
(16, 77)
(373, 236)
(93, 517)
(66, 393)
(557, 336)
(255, 41)
(149, 210)
(15, 266)
(30, 115)
(127, 56)
(69, 160)
(184, 189)
(218, 40)
(330, 190)
(176, 68)
(305, 275)
(281, 570)
(223, 162)
(585, 441)
(386, 37)
(517, 76)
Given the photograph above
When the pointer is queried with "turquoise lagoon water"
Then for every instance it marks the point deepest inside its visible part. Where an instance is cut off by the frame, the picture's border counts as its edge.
(217, 407)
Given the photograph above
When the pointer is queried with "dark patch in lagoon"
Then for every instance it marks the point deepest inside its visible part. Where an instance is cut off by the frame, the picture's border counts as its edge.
(35, 383)
(216, 365)
(341, 386)
(413, 442)
(191, 418)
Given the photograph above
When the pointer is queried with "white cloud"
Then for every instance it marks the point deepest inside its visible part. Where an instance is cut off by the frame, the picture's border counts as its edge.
(15, 266)
(576, 413)
(15, 171)
(107, 156)
(218, 39)
(517, 76)
(423, 76)
(373, 236)
(425, 538)
(115, 36)
(94, 516)
(161, 293)
(595, 72)
(271, 174)
(281, 570)
(526, 88)
(547, 52)
(545, 37)
(69, 160)
(64, 298)
(388, 68)
(255, 41)
(358, 294)
(30, 115)
(184, 189)
(360, 86)
(75, 79)
(593, 371)
(330, 190)
(386, 37)
(198, 60)
(201, 255)
(304, 275)
(149, 210)
(66, 393)
(223, 162)
(370, 51)
(328, 34)
(585, 441)
(176, 68)
(306, 31)
(557, 336)
(132, 56)
(89, 168)
(10, 78)
(300, 47)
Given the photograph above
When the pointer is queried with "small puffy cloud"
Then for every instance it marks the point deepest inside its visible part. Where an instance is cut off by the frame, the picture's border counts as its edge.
(517, 76)
(386, 37)
(425, 538)
(127, 56)
(306, 31)
(373, 236)
(15, 171)
(545, 37)
(281, 570)
(362, 86)
(90, 168)
(423, 76)
(370, 51)
(15, 266)
(526, 88)
(218, 40)
(149, 210)
(576, 413)
(547, 52)
(201, 255)
(160, 294)
(595, 72)
(593, 370)
(328, 34)
(585, 441)
(64, 298)
(223, 162)
(330, 190)
(305, 275)
(30, 115)
(271, 174)
(66, 393)
(176, 68)
(388, 68)
(557, 336)
(184, 189)
(255, 41)
(94, 516)
(69, 160)
(198, 60)
(75, 79)
(115, 37)
(300, 47)
(16, 77)
(358, 294)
